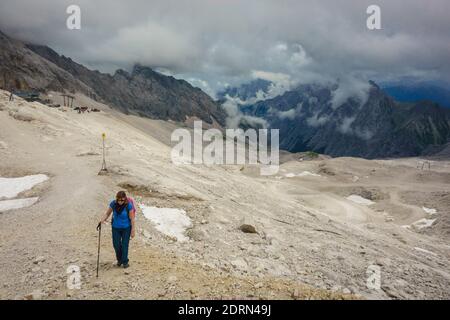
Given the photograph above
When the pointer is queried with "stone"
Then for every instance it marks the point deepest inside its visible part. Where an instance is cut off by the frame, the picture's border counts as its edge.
(247, 228)
(161, 293)
(39, 259)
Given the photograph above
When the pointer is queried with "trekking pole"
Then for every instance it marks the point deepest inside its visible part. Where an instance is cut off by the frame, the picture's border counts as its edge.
(99, 228)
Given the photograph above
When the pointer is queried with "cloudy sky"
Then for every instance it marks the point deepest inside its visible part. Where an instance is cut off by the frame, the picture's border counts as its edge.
(212, 43)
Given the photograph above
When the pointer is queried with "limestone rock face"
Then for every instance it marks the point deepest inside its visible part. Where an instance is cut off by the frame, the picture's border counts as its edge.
(379, 127)
(142, 92)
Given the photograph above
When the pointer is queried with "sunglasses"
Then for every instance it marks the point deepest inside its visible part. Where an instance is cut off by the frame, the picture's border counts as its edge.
(121, 200)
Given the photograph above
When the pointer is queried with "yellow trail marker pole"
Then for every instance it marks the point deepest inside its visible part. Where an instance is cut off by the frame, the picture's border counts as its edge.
(103, 169)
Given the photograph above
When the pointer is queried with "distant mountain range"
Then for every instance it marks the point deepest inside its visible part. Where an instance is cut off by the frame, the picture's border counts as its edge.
(378, 128)
(306, 116)
(419, 91)
(142, 92)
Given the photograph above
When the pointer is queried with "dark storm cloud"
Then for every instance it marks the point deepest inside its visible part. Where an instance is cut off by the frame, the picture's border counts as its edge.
(215, 42)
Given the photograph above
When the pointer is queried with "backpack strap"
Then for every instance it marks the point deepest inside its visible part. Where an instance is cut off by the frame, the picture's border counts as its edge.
(128, 210)
(112, 216)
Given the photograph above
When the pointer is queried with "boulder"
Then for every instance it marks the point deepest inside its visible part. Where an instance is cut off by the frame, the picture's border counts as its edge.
(247, 228)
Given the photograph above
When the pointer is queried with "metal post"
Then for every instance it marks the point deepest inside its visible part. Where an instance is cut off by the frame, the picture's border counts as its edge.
(103, 170)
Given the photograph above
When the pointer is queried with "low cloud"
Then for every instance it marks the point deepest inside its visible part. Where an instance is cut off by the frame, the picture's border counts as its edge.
(316, 120)
(347, 88)
(235, 117)
(224, 42)
(289, 114)
(345, 127)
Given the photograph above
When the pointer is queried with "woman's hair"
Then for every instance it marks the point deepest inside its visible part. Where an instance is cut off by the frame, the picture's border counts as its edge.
(122, 195)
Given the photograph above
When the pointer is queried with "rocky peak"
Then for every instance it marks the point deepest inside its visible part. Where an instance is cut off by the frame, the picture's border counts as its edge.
(144, 91)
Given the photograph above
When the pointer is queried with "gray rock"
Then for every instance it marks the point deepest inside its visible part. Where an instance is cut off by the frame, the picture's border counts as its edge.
(39, 259)
(247, 228)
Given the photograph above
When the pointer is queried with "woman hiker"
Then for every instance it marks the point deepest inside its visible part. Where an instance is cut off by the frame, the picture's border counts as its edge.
(122, 226)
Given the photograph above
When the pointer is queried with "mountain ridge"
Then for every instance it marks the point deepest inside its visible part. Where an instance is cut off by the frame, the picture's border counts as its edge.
(143, 92)
(379, 128)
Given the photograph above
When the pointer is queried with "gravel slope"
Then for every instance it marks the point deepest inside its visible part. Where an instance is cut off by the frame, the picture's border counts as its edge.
(312, 242)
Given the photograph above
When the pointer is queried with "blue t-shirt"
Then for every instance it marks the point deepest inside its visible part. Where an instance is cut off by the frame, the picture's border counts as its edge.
(121, 220)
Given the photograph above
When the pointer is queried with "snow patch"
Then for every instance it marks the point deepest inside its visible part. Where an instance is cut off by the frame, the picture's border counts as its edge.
(11, 187)
(360, 200)
(169, 221)
(429, 211)
(307, 173)
(425, 251)
(423, 223)
(290, 175)
(6, 205)
(301, 174)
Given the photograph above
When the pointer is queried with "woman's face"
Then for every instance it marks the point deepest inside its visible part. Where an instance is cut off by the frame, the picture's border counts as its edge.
(121, 200)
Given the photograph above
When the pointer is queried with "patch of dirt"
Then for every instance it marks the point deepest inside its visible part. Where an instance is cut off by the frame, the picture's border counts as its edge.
(427, 176)
(147, 191)
(371, 193)
(437, 200)
(325, 170)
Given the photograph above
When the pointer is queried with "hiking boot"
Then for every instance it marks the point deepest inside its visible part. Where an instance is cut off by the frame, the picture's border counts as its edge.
(126, 265)
(119, 264)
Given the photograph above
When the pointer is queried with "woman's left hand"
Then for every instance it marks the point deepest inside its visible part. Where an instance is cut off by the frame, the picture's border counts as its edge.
(132, 233)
